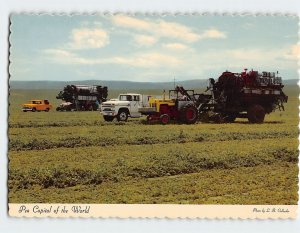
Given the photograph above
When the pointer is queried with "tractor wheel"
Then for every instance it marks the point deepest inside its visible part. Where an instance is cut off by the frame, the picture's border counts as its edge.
(189, 114)
(149, 118)
(58, 109)
(47, 110)
(122, 116)
(108, 118)
(164, 119)
(34, 110)
(256, 114)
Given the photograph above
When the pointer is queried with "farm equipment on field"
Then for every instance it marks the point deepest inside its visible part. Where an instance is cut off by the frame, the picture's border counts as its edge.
(179, 106)
(81, 97)
(234, 95)
(249, 95)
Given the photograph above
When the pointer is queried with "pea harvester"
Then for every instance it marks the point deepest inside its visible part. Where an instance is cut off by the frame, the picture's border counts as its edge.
(249, 95)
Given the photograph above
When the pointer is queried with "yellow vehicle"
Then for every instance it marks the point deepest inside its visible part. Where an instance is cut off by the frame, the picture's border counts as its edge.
(180, 106)
(37, 105)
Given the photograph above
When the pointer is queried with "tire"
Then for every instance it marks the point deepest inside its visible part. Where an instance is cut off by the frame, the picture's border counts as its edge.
(122, 115)
(164, 119)
(189, 114)
(149, 118)
(256, 114)
(58, 109)
(47, 110)
(24, 110)
(108, 118)
(34, 110)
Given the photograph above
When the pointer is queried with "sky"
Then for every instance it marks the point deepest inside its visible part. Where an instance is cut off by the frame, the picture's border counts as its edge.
(149, 48)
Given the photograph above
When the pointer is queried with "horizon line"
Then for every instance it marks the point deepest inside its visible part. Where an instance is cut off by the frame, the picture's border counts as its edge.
(119, 80)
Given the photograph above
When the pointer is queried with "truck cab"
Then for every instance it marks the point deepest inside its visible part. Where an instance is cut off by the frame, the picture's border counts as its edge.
(125, 106)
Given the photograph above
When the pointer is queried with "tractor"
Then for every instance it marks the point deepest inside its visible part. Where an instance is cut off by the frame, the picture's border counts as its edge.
(179, 106)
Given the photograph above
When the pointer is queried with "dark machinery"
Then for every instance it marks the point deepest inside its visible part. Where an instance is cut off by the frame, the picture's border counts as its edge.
(249, 95)
(81, 97)
(242, 95)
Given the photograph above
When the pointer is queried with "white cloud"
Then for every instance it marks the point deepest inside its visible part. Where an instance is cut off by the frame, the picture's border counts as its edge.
(213, 33)
(87, 38)
(149, 59)
(86, 73)
(293, 53)
(258, 59)
(145, 40)
(161, 28)
(175, 46)
(129, 22)
(188, 62)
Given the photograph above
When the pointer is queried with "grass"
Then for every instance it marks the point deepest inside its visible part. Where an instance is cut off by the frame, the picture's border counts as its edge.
(76, 157)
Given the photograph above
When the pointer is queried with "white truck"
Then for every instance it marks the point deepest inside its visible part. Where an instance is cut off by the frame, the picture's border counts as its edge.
(125, 106)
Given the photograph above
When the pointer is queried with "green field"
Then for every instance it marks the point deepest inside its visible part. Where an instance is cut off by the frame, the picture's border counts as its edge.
(76, 157)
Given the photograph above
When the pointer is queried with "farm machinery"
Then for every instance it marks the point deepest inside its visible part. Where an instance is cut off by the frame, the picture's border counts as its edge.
(180, 106)
(81, 97)
(249, 95)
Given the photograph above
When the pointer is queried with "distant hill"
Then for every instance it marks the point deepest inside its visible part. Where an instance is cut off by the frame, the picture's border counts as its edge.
(117, 85)
(291, 82)
(110, 84)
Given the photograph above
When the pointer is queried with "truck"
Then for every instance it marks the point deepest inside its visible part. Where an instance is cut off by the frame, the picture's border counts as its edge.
(82, 97)
(36, 106)
(126, 105)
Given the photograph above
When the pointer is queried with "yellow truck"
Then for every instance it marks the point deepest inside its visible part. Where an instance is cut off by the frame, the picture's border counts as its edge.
(37, 105)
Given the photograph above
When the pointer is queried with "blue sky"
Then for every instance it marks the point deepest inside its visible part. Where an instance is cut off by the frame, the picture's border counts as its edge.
(150, 48)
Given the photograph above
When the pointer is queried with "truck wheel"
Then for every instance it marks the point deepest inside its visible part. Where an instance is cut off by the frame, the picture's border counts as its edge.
(34, 110)
(47, 110)
(189, 114)
(122, 116)
(256, 114)
(108, 118)
(164, 119)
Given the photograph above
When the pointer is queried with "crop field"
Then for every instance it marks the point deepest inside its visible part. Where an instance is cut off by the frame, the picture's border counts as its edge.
(77, 157)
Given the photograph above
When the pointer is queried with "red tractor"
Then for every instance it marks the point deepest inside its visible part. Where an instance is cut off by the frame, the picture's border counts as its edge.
(179, 106)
